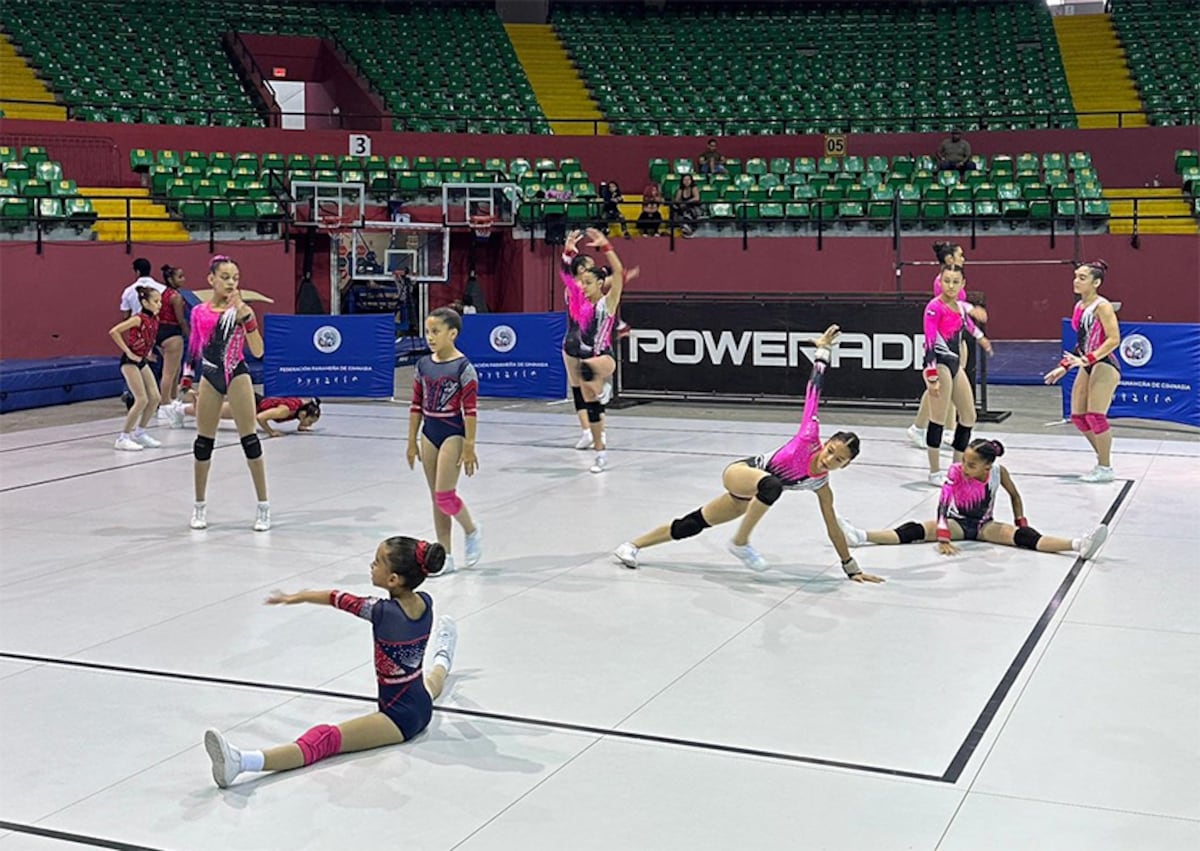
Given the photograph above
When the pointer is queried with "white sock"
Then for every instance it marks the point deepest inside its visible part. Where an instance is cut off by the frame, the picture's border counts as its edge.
(138, 431)
(200, 503)
(251, 760)
(443, 659)
(125, 435)
(1077, 544)
(262, 503)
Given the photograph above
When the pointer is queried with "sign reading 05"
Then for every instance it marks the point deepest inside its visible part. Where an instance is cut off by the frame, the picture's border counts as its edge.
(835, 145)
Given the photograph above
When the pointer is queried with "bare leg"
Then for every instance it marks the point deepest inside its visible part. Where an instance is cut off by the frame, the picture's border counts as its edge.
(358, 734)
(573, 381)
(241, 401)
(720, 510)
(150, 387)
(137, 387)
(172, 353)
(441, 521)
(446, 477)
(1100, 393)
(922, 419)
(963, 399)
(939, 407)
(742, 480)
(1079, 406)
(208, 414)
(889, 536)
(1002, 533)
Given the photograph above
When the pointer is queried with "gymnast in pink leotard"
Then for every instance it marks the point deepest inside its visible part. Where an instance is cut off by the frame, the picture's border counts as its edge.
(946, 320)
(752, 485)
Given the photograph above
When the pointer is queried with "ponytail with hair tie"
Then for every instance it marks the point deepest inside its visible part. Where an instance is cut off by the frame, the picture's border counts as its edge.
(422, 554)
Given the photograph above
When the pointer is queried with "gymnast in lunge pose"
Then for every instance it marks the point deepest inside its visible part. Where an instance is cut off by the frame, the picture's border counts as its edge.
(588, 344)
(441, 429)
(1099, 335)
(946, 319)
(965, 508)
(752, 485)
(221, 329)
(401, 624)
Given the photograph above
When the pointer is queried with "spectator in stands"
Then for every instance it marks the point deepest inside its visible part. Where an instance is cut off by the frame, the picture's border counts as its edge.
(954, 154)
(610, 211)
(650, 219)
(711, 161)
(685, 206)
(129, 297)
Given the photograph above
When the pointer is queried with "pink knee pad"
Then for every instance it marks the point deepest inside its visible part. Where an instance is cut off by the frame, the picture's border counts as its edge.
(319, 742)
(448, 502)
(1081, 422)
(1098, 422)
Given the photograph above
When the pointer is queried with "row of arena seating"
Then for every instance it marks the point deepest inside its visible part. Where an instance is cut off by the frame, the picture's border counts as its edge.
(1187, 166)
(1000, 164)
(1164, 55)
(456, 59)
(33, 186)
(874, 68)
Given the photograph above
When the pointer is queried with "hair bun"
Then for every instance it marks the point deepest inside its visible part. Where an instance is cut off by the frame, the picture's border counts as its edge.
(435, 558)
(998, 447)
(1099, 264)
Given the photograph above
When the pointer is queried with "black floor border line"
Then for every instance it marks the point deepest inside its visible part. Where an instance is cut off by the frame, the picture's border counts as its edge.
(959, 762)
(100, 470)
(53, 442)
(483, 714)
(78, 838)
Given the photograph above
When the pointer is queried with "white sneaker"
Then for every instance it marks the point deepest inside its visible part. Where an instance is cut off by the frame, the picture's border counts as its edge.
(1092, 541)
(749, 556)
(855, 537)
(127, 444)
(585, 440)
(199, 516)
(474, 547)
(226, 759)
(916, 436)
(1098, 474)
(175, 414)
(601, 462)
(937, 479)
(627, 554)
(448, 566)
(262, 518)
(445, 637)
(163, 413)
(146, 440)
(606, 393)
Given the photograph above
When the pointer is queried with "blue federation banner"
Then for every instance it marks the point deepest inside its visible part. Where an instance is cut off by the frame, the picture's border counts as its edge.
(329, 355)
(1160, 372)
(516, 354)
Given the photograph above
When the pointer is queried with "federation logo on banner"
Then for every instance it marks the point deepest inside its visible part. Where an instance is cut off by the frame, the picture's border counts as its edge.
(1136, 350)
(503, 338)
(327, 339)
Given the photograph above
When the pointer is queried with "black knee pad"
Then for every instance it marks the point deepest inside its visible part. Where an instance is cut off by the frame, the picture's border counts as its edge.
(252, 447)
(933, 435)
(910, 532)
(203, 447)
(594, 412)
(1027, 537)
(769, 490)
(962, 438)
(686, 527)
(586, 371)
(577, 396)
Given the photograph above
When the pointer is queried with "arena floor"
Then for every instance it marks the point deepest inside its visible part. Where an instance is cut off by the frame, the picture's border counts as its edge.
(1000, 699)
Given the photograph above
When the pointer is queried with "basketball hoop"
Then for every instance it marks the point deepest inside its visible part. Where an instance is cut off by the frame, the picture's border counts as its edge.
(482, 225)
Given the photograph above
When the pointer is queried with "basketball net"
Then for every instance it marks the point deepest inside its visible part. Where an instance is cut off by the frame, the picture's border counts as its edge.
(482, 225)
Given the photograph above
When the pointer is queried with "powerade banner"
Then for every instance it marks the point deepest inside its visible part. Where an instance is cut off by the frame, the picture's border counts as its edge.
(1160, 372)
(516, 354)
(329, 355)
(761, 347)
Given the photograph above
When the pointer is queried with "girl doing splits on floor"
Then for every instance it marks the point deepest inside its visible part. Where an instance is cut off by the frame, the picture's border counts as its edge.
(753, 485)
(965, 513)
(401, 624)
